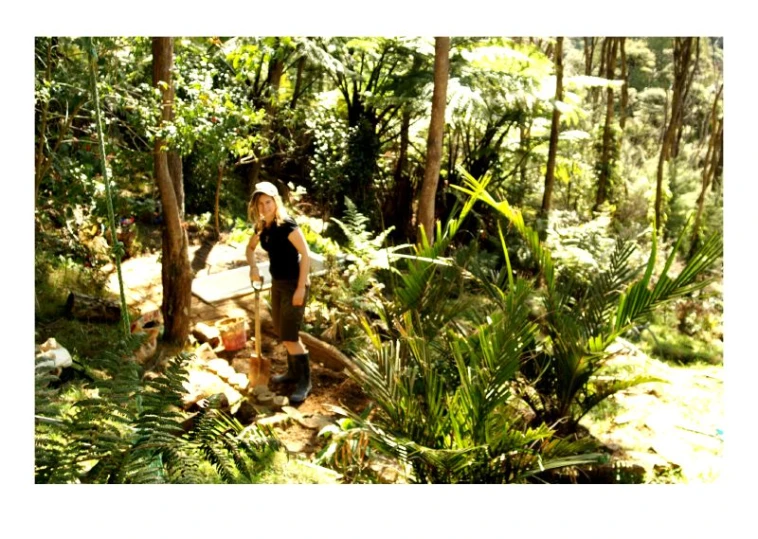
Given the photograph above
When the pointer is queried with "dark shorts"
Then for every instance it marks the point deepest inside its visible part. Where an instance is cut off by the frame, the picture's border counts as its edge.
(287, 319)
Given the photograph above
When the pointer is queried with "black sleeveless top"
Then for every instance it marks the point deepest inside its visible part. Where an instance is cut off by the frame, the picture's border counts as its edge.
(284, 258)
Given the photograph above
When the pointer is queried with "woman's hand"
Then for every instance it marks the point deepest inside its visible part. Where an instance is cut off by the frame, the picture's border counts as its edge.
(255, 275)
(298, 297)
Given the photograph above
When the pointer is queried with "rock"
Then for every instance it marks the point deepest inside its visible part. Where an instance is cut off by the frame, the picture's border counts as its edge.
(221, 367)
(207, 334)
(246, 413)
(265, 397)
(260, 389)
(276, 419)
(206, 352)
(315, 421)
(239, 380)
(52, 356)
(279, 401)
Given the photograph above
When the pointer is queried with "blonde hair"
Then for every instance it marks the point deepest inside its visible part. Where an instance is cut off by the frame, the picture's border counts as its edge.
(252, 211)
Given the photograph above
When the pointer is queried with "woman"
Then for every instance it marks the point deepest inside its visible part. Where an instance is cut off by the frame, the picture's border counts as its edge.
(289, 259)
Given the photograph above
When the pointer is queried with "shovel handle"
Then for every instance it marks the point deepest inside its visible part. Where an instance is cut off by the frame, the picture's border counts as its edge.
(257, 287)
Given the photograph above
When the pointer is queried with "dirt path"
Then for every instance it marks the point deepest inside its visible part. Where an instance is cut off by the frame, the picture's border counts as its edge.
(673, 427)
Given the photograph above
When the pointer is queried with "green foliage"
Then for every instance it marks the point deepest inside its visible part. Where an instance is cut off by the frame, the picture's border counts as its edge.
(349, 451)
(442, 386)
(351, 284)
(130, 429)
(457, 434)
(578, 321)
(329, 159)
(688, 330)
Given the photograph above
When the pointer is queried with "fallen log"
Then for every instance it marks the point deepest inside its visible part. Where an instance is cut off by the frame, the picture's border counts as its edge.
(92, 309)
(323, 352)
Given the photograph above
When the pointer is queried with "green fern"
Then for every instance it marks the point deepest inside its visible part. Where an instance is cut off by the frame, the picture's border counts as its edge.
(131, 430)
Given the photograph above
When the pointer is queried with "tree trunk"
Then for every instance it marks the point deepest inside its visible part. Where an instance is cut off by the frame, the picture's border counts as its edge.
(604, 177)
(553, 149)
(434, 144)
(710, 168)
(525, 134)
(589, 53)
(684, 73)
(175, 264)
(625, 88)
(298, 82)
(601, 70)
(271, 93)
(400, 209)
(220, 177)
(92, 309)
(323, 352)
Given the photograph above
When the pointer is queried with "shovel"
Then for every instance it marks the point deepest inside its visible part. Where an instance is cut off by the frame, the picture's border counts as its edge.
(260, 367)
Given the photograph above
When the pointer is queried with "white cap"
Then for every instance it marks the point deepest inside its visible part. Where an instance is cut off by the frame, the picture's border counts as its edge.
(267, 188)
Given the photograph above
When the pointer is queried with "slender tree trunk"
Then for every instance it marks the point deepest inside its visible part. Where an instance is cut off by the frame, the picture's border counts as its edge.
(710, 168)
(175, 264)
(684, 73)
(625, 88)
(604, 178)
(298, 81)
(601, 70)
(523, 169)
(589, 53)
(271, 92)
(436, 131)
(177, 176)
(218, 198)
(553, 149)
(401, 206)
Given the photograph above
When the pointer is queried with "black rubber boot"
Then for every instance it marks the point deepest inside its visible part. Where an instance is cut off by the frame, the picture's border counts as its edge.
(288, 376)
(302, 367)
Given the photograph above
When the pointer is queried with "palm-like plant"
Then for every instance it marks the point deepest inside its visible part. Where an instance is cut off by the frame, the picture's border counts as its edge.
(469, 433)
(578, 321)
(463, 423)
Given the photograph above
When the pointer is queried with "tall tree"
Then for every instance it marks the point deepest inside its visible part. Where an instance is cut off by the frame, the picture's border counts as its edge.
(711, 167)
(270, 103)
(605, 165)
(434, 143)
(686, 55)
(175, 263)
(398, 211)
(625, 88)
(553, 149)
(589, 53)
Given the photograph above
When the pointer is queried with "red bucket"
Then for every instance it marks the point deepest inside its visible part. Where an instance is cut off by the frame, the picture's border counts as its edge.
(233, 333)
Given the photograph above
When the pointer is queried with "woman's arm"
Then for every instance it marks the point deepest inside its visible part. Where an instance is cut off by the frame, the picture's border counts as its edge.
(250, 255)
(298, 240)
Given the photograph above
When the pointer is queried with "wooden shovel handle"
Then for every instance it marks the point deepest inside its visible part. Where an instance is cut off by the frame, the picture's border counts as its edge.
(257, 321)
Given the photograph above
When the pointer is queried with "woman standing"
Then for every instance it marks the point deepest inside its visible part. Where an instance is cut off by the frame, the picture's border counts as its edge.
(282, 239)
